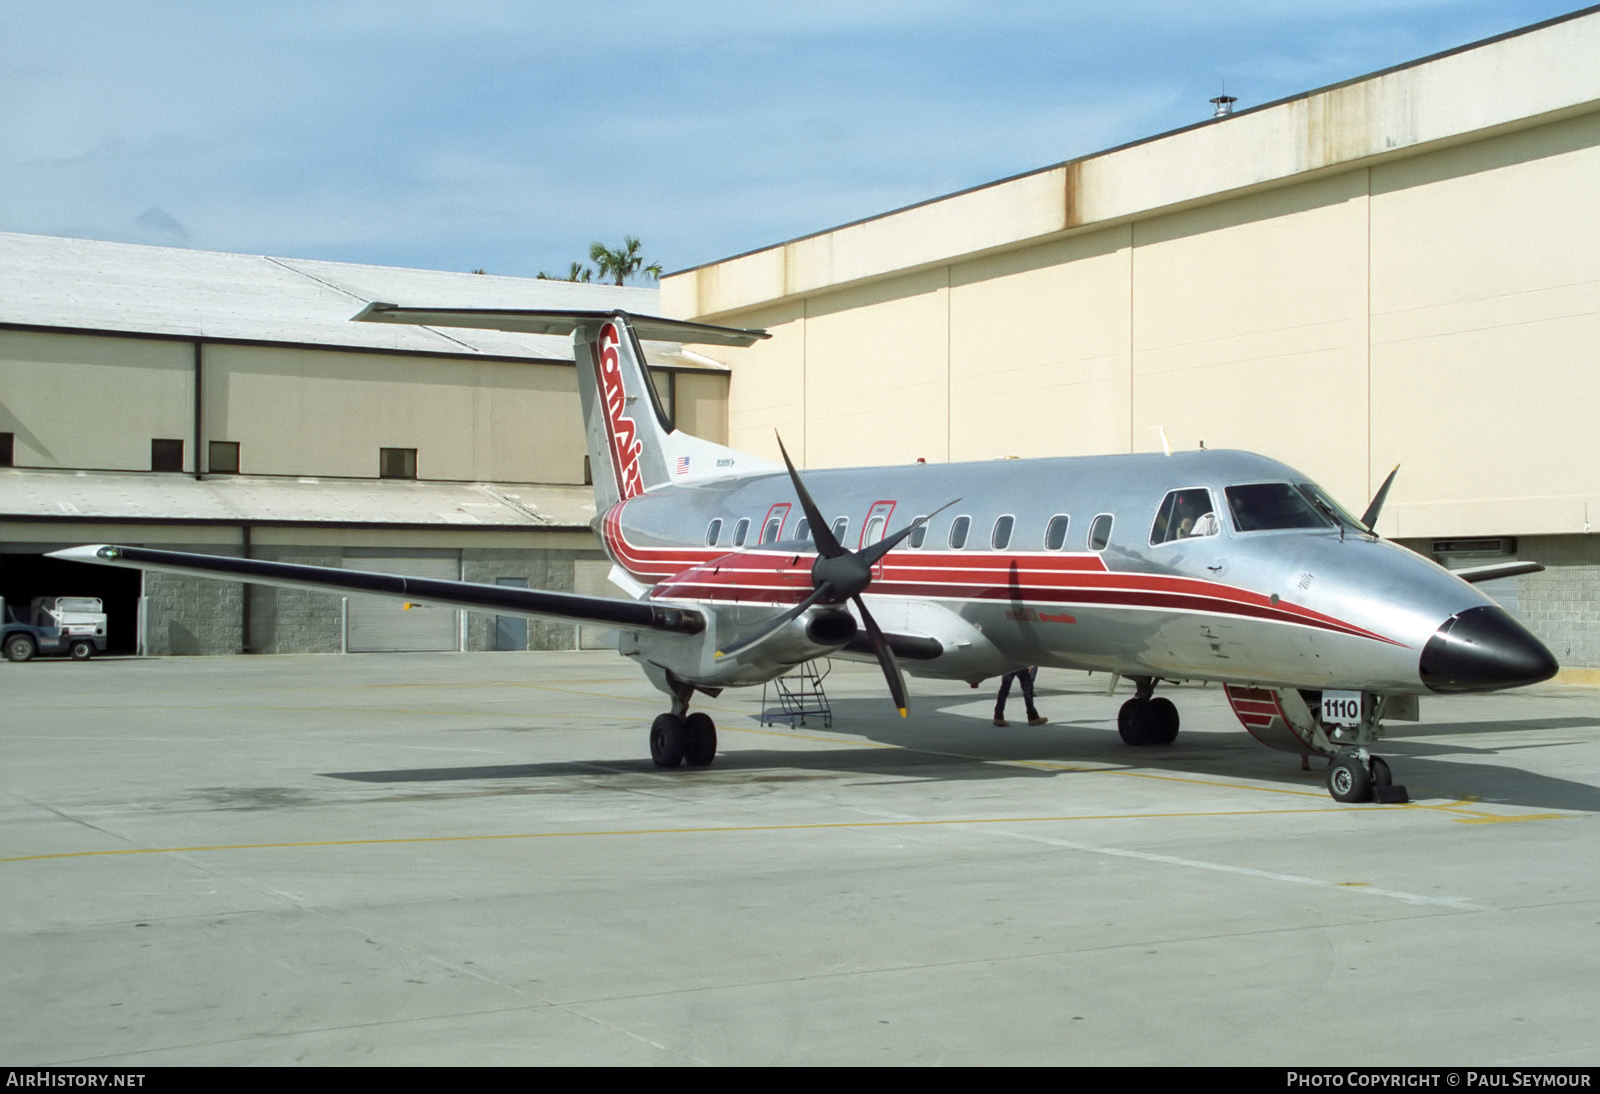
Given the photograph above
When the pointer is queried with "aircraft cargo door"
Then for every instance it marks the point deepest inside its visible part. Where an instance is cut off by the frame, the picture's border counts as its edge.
(591, 577)
(376, 624)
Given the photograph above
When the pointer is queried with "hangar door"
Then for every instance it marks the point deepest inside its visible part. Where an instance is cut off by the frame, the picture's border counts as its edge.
(590, 577)
(377, 625)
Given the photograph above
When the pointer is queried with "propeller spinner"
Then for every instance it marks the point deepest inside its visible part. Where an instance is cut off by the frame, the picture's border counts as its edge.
(839, 575)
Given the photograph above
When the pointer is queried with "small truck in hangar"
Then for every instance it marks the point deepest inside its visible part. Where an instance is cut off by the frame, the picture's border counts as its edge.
(74, 626)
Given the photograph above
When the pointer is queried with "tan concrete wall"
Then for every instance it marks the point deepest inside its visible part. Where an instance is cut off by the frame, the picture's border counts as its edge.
(1039, 350)
(315, 412)
(1486, 334)
(702, 405)
(1249, 320)
(92, 402)
(1440, 311)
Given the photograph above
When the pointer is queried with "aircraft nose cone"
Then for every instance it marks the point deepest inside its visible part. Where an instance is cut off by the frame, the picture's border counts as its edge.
(1482, 649)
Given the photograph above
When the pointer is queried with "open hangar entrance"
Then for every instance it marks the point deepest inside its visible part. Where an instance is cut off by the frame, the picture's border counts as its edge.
(26, 573)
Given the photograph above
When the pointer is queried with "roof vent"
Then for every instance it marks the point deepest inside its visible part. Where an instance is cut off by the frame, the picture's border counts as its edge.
(1224, 105)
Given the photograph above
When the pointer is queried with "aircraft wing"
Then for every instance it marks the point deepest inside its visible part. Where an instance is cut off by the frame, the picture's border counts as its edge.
(633, 615)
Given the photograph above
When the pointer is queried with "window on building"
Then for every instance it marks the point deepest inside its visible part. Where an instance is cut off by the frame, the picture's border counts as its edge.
(1055, 533)
(8, 445)
(1001, 538)
(166, 455)
(397, 463)
(223, 457)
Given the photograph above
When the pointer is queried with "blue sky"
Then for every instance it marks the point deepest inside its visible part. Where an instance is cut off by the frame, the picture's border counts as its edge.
(509, 134)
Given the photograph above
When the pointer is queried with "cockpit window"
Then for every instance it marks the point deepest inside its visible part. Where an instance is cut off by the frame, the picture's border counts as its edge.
(1184, 514)
(1268, 506)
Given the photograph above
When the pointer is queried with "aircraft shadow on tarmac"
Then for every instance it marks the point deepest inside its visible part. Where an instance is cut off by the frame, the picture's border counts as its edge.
(953, 744)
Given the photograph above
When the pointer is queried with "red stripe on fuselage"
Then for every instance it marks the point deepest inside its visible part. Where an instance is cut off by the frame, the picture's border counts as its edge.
(765, 576)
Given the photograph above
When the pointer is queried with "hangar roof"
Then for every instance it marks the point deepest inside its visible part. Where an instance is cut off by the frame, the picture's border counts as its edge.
(84, 284)
(141, 496)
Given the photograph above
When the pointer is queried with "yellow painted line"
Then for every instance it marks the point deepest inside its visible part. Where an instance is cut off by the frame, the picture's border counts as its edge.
(696, 830)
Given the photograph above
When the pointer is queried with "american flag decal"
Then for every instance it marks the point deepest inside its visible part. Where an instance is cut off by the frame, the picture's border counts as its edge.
(683, 465)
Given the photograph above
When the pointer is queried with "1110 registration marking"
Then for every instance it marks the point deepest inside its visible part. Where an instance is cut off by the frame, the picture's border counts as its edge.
(1341, 708)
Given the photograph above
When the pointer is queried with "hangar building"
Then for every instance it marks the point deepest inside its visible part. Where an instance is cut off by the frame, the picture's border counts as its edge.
(225, 403)
(1400, 269)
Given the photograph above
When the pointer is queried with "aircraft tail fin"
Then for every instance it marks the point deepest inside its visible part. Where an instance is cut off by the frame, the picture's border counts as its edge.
(632, 442)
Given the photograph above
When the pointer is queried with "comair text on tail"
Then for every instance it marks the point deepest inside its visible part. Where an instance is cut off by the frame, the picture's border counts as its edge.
(1208, 565)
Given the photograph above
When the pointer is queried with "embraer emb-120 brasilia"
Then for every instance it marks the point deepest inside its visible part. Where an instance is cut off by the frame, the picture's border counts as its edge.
(1206, 565)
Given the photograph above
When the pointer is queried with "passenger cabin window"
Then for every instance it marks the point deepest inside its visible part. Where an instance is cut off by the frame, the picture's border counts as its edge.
(802, 531)
(769, 534)
(1184, 514)
(741, 531)
(713, 532)
(958, 532)
(1265, 506)
(1001, 537)
(874, 531)
(1100, 532)
(1055, 533)
(840, 527)
(918, 534)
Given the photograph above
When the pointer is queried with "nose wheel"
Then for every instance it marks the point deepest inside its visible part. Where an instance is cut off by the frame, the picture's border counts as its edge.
(1357, 777)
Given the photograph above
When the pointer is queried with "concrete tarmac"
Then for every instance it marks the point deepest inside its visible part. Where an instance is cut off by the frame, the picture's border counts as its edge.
(469, 859)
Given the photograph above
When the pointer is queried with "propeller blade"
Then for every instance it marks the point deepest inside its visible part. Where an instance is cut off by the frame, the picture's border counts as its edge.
(822, 535)
(871, 555)
(891, 667)
(748, 640)
(1369, 519)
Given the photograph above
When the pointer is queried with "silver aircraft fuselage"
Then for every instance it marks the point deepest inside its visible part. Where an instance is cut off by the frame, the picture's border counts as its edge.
(1327, 606)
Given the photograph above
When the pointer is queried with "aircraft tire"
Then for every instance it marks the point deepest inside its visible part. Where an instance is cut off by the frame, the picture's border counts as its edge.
(1381, 776)
(82, 650)
(1133, 722)
(700, 740)
(19, 648)
(667, 737)
(1349, 781)
(1163, 716)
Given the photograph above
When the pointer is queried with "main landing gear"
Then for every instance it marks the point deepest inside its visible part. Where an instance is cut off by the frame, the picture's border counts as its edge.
(680, 737)
(1145, 720)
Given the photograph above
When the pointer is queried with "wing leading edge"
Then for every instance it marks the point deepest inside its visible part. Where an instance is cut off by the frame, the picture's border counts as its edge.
(626, 614)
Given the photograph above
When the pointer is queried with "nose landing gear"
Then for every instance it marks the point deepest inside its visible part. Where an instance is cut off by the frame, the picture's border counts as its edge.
(1358, 776)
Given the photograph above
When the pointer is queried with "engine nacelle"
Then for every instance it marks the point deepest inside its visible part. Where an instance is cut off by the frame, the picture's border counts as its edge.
(815, 634)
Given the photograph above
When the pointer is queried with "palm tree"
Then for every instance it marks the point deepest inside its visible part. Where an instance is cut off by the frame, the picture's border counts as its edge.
(576, 273)
(623, 262)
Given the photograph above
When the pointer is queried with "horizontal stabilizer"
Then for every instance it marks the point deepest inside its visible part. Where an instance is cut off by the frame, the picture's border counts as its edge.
(626, 614)
(1475, 574)
(649, 327)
